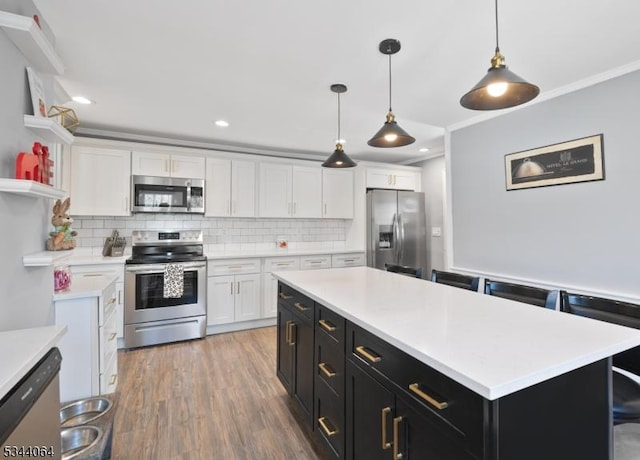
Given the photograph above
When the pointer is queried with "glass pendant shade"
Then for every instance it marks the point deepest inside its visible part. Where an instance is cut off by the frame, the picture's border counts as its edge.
(338, 158)
(391, 135)
(500, 88)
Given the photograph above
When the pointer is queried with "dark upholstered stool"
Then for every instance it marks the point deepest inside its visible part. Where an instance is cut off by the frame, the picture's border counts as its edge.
(455, 279)
(409, 271)
(626, 391)
(520, 293)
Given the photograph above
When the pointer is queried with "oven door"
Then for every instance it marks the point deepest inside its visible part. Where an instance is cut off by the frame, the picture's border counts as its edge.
(144, 299)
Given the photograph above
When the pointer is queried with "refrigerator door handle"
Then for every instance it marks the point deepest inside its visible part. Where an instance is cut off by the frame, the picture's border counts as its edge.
(396, 236)
(400, 238)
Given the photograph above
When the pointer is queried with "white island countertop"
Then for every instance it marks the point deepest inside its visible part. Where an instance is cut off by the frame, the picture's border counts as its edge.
(21, 349)
(491, 345)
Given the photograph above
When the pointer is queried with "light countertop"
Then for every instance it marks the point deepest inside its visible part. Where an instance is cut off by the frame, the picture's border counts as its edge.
(85, 285)
(21, 349)
(491, 345)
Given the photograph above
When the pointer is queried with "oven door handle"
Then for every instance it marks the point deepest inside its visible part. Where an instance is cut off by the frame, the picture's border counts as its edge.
(159, 268)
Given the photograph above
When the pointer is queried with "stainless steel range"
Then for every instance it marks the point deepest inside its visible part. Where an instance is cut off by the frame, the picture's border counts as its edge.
(165, 288)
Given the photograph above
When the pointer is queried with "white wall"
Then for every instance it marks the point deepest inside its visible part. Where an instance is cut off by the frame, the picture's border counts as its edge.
(25, 293)
(580, 236)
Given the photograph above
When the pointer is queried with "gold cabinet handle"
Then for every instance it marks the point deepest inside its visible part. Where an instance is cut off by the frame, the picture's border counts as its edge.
(300, 307)
(291, 325)
(385, 412)
(284, 296)
(397, 455)
(326, 325)
(286, 333)
(113, 379)
(370, 356)
(325, 428)
(415, 388)
(327, 371)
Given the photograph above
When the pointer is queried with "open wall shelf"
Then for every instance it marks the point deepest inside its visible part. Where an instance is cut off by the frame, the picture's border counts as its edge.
(48, 129)
(45, 258)
(30, 188)
(31, 41)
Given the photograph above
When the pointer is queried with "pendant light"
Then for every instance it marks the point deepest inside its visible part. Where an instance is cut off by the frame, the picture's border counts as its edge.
(338, 158)
(500, 88)
(391, 134)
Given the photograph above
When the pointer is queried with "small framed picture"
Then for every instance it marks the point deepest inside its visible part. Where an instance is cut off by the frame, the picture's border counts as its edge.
(36, 88)
(281, 242)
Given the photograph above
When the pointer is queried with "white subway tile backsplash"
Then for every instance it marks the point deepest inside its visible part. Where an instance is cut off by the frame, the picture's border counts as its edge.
(93, 223)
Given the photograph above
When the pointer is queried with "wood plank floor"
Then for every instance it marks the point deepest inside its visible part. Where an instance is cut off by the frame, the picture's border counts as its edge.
(216, 398)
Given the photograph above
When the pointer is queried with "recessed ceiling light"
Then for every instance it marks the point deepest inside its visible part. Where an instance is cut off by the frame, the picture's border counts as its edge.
(82, 100)
(423, 149)
(222, 123)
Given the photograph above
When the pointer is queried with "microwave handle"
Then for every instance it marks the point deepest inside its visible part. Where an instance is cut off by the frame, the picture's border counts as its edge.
(188, 195)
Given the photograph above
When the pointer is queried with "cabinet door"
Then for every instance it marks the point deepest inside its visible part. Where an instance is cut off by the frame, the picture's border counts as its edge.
(243, 189)
(306, 191)
(218, 187)
(247, 301)
(275, 190)
(269, 296)
(150, 164)
(303, 367)
(337, 194)
(379, 178)
(369, 417)
(404, 180)
(220, 300)
(187, 166)
(284, 365)
(100, 181)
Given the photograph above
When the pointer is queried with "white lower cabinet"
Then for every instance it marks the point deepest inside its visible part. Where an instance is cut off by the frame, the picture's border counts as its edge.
(89, 348)
(355, 259)
(314, 262)
(233, 295)
(270, 284)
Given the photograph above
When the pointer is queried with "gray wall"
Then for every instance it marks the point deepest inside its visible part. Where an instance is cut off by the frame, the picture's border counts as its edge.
(582, 236)
(433, 176)
(25, 293)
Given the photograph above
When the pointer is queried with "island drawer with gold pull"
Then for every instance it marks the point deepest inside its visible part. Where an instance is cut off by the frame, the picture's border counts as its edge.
(330, 363)
(330, 323)
(329, 415)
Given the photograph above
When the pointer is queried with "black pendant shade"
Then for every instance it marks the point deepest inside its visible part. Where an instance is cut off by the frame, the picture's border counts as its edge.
(391, 134)
(500, 88)
(338, 158)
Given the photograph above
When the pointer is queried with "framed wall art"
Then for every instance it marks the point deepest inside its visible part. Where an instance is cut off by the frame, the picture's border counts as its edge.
(36, 88)
(579, 160)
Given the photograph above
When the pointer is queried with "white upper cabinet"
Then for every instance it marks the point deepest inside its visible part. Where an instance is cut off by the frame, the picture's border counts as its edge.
(306, 191)
(230, 187)
(392, 179)
(290, 191)
(337, 194)
(100, 181)
(167, 165)
(275, 190)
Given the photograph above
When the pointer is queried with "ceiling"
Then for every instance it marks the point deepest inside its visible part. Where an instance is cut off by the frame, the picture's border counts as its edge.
(171, 68)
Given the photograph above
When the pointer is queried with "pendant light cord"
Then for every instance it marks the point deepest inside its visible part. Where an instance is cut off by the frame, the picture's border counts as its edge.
(497, 46)
(389, 83)
(338, 140)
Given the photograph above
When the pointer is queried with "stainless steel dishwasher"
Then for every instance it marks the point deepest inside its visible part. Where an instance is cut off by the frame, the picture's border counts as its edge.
(30, 412)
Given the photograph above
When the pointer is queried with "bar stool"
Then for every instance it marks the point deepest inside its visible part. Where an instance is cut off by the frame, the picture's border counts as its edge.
(626, 390)
(521, 293)
(408, 271)
(455, 279)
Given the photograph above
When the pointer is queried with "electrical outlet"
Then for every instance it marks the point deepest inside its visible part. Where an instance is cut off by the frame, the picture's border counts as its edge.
(436, 231)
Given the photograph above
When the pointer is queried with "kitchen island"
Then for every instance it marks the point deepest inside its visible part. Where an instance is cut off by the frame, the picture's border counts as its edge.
(483, 377)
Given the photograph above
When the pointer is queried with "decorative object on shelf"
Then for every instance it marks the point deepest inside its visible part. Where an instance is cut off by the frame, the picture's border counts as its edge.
(114, 245)
(391, 134)
(62, 236)
(579, 160)
(65, 116)
(500, 88)
(35, 166)
(36, 88)
(282, 243)
(338, 158)
(61, 278)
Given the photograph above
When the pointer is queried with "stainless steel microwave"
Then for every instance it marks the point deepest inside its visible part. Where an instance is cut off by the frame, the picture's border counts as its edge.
(167, 194)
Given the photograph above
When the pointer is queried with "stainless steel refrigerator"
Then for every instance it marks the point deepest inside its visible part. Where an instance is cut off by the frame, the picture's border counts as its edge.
(396, 229)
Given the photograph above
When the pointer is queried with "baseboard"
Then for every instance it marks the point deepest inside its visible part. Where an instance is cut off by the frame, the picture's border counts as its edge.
(232, 327)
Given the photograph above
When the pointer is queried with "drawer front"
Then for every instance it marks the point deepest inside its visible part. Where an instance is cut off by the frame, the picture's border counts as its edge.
(232, 266)
(108, 340)
(331, 324)
(300, 303)
(313, 262)
(275, 264)
(330, 423)
(109, 378)
(109, 301)
(436, 394)
(347, 260)
(101, 269)
(330, 363)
